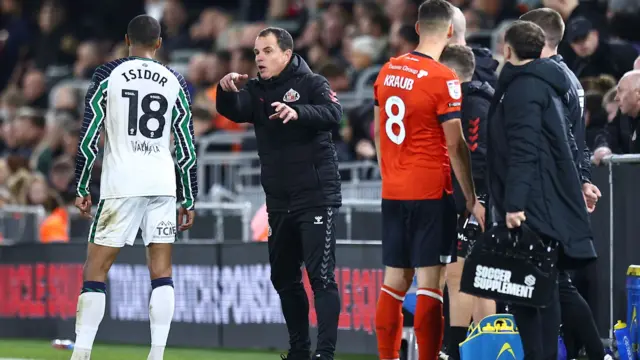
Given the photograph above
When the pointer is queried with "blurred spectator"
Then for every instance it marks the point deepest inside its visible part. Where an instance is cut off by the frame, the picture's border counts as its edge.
(243, 61)
(600, 83)
(57, 42)
(609, 104)
(88, 59)
(595, 117)
(175, 34)
(67, 98)
(34, 89)
(219, 65)
(621, 134)
(365, 50)
(14, 38)
(401, 11)
(199, 74)
(596, 54)
(119, 51)
(55, 226)
(61, 178)
(28, 129)
(209, 26)
(11, 100)
(403, 40)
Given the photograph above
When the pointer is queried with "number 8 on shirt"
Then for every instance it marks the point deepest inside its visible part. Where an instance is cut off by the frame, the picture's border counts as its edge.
(416, 94)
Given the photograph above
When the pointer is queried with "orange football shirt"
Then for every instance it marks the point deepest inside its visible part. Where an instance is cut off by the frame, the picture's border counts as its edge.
(415, 95)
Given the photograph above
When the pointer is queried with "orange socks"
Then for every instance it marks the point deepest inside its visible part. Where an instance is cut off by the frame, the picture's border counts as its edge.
(389, 323)
(429, 323)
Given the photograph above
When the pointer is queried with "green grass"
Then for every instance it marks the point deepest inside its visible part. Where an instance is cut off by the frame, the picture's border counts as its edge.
(42, 350)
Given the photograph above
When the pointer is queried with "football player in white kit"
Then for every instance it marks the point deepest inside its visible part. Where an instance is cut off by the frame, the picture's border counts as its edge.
(139, 103)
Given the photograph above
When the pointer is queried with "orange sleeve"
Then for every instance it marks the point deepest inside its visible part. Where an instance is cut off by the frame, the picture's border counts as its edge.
(450, 96)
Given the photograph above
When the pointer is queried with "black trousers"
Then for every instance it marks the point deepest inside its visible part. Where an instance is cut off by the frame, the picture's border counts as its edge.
(539, 328)
(307, 237)
(578, 325)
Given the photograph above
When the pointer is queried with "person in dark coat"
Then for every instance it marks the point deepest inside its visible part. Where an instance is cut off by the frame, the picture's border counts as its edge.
(294, 112)
(579, 326)
(485, 64)
(531, 174)
(476, 99)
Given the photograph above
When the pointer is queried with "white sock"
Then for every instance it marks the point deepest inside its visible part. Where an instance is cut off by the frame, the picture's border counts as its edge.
(161, 307)
(81, 354)
(89, 314)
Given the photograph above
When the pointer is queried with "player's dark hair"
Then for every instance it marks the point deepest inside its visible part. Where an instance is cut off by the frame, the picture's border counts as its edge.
(551, 23)
(285, 41)
(526, 39)
(434, 15)
(143, 30)
(460, 58)
(408, 33)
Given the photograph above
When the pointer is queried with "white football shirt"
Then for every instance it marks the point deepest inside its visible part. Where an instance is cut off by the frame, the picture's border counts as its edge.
(139, 103)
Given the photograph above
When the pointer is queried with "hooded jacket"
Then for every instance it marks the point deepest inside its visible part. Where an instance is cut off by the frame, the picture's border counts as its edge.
(476, 99)
(574, 113)
(486, 66)
(530, 164)
(299, 163)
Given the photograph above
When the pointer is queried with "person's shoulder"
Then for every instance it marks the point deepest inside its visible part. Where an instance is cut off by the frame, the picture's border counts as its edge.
(103, 71)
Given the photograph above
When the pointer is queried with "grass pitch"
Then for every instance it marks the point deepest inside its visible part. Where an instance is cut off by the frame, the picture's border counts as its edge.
(42, 350)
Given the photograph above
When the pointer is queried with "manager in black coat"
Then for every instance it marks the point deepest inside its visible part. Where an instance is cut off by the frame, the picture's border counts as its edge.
(531, 172)
(578, 324)
(293, 112)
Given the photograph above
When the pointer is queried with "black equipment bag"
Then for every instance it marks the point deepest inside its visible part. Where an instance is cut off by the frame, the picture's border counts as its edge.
(512, 265)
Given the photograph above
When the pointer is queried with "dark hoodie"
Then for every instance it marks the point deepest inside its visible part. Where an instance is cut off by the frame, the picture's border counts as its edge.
(486, 66)
(530, 164)
(574, 101)
(476, 99)
(298, 159)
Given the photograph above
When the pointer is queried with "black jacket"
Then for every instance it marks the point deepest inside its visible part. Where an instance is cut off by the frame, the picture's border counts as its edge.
(298, 159)
(530, 165)
(617, 135)
(476, 99)
(574, 114)
(486, 66)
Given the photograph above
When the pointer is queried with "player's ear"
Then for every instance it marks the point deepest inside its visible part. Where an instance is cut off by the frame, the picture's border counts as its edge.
(417, 27)
(289, 54)
(126, 40)
(158, 43)
(450, 31)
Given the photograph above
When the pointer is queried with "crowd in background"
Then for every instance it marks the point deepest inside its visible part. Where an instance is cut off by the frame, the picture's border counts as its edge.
(45, 43)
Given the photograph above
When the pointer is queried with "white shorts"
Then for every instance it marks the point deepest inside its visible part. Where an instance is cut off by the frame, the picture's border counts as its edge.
(116, 222)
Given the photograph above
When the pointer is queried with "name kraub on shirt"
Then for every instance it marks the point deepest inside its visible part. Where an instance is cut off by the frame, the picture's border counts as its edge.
(499, 281)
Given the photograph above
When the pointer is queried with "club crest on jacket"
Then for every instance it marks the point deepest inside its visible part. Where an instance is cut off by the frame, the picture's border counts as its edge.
(291, 96)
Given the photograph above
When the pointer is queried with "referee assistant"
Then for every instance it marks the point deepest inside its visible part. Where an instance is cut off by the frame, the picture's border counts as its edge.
(293, 112)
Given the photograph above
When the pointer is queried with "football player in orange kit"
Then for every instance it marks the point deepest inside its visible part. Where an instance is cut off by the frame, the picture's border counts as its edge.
(419, 138)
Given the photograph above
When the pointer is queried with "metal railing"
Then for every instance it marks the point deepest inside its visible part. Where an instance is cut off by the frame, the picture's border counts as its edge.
(610, 161)
(219, 211)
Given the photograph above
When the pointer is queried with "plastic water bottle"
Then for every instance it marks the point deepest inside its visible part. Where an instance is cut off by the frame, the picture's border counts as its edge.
(62, 344)
(633, 306)
(562, 350)
(622, 340)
